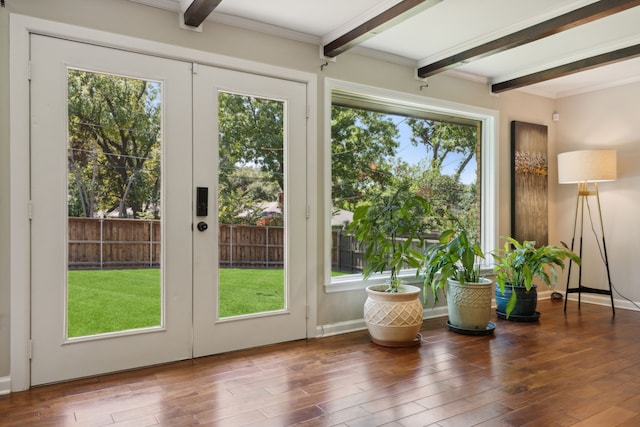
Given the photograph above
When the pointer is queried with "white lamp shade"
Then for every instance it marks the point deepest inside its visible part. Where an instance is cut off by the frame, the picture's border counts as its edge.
(587, 166)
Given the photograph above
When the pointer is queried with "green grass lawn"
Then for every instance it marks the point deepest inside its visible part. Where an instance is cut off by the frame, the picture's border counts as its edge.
(244, 291)
(116, 300)
(102, 301)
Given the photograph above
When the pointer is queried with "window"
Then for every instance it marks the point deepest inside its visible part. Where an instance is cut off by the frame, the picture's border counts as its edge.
(376, 137)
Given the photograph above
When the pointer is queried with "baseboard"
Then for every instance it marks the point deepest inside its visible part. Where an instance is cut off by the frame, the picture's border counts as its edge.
(605, 300)
(5, 385)
(430, 313)
(359, 325)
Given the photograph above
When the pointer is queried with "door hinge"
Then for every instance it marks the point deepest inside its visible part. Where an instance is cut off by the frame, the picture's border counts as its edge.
(29, 71)
(308, 213)
(30, 209)
(308, 111)
(307, 311)
(194, 68)
(30, 349)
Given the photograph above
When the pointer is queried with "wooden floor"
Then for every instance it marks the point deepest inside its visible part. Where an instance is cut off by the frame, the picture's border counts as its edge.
(582, 369)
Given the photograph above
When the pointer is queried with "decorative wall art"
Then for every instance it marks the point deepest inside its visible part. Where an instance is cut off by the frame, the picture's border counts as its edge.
(529, 182)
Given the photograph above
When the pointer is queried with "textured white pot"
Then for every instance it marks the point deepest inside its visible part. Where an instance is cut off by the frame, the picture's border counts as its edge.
(393, 319)
(469, 304)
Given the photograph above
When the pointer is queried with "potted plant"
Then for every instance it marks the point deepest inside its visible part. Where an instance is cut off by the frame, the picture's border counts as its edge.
(390, 230)
(453, 265)
(516, 266)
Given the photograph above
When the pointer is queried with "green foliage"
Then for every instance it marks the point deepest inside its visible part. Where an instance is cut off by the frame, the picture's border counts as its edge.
(365, 161)
(441, 139)
(239, 198)
(114, 144)
(362, 146)
(391, 230)
(455, 257)
(251, 132)
(518, 264)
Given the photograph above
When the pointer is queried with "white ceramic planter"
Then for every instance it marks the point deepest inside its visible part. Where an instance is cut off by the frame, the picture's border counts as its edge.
(393, 319)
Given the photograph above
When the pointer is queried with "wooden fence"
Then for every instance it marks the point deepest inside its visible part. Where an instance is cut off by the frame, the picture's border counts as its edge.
(251, 246)
(96, 243)
(348, 257)
(345, 254)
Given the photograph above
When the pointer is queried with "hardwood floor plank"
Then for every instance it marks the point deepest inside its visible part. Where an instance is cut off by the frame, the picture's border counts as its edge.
(336, 418)
(386, 416)
(475, 416)
(611, 416)
(578, 369)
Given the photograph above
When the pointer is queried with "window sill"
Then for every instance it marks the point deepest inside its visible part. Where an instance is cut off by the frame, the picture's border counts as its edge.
(354, 282)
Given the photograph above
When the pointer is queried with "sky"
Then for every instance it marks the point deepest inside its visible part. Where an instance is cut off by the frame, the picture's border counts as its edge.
(414, 154)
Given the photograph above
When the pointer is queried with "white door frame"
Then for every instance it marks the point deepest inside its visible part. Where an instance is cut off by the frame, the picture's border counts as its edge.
(20, 28)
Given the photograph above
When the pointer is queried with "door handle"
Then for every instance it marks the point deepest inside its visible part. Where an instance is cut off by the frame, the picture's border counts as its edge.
(202, 226)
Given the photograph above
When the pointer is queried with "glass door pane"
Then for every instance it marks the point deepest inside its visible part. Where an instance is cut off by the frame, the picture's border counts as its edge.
(251, 213)
(113, 200)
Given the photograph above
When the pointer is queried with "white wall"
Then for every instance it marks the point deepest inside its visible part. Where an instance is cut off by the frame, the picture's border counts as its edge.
(127, 18)
(606, 119)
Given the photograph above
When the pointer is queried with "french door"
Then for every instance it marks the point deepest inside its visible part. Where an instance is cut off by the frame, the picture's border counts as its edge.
(253, 128)
(121, 275)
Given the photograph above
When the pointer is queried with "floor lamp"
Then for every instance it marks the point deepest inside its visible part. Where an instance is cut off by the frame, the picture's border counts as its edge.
(584, 168)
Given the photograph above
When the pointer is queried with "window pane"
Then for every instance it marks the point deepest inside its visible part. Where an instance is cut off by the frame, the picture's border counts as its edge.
(251, 210)
(374, 149)
(113, 200)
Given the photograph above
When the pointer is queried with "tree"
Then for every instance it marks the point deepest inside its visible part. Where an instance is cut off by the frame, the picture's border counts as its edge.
(251, 132)
(114, 143)
(443, 139)
(240, 194)
(364, 150)
(251, 138)
(362, 145)
(447, 143)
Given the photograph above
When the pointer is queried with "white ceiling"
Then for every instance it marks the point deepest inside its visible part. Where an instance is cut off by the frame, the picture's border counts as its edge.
(448, 27)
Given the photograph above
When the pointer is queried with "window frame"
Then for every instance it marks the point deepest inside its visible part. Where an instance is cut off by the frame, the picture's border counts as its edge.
(488, 163)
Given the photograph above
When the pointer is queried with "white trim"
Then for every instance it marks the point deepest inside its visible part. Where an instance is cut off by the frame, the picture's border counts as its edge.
(148, 47)
(312, 206)
(20, 28)
(261, 27)
(359, 324)
(19, 236)
(604, 301)
(353, 282)
(490, 179)
(5, 385)
(238, 22)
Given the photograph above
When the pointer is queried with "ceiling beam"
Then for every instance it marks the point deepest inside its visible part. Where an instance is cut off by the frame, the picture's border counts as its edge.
(567, 69)
(583, 15)
(198, 11)
(390, 17)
